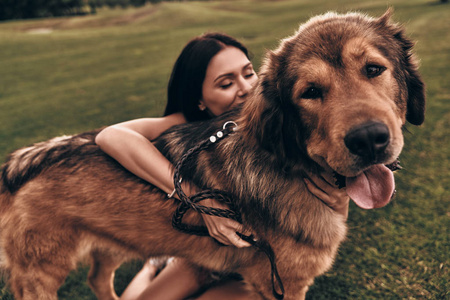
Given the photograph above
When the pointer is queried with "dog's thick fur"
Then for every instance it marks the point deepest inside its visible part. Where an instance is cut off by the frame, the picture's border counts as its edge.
(64, 198)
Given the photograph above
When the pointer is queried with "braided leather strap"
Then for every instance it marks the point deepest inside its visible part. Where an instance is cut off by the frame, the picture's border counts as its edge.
(187, 203)
(191, 202)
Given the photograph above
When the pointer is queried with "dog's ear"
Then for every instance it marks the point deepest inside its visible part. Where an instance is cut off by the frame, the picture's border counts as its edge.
(415, 113)
(263, 120)
(274, 119)
(386, 18)
(416, 88)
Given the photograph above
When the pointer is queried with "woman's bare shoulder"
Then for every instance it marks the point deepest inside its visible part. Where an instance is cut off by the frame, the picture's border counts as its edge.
(151, 128)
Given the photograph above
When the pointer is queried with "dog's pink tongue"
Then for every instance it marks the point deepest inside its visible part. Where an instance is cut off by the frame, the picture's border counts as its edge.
(373, 188)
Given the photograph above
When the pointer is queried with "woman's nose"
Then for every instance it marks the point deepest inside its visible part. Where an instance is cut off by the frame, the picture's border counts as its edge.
(244, 87)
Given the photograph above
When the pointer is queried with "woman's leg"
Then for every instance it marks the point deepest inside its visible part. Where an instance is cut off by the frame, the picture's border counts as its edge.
(140, 282)
(176, 281)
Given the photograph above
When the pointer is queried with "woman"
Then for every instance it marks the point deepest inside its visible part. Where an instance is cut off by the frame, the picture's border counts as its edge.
(212, 74)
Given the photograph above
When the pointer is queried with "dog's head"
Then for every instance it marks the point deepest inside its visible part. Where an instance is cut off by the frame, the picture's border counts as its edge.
(337, 94)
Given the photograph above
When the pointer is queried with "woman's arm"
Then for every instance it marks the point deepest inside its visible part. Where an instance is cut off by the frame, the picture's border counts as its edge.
(129, 144)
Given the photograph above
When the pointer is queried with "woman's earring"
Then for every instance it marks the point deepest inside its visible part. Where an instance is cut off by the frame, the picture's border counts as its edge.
(201, 106)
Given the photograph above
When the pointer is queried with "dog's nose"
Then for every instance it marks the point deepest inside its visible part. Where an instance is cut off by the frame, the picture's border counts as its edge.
(368, 140)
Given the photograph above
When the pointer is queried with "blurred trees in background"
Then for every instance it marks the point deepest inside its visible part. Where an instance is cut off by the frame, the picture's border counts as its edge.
(26, 9)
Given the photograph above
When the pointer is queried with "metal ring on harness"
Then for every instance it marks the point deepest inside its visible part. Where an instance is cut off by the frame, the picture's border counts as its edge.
(228, 123)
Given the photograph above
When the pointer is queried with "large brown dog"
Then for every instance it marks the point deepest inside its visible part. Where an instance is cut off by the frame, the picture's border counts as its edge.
(333, 98)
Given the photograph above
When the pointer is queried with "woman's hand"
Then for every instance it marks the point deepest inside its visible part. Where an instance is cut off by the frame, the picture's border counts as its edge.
(223, 229)
(325, 189)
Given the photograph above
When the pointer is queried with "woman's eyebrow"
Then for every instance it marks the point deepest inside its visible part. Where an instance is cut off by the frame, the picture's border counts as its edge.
(231, 73)
(223, 75)
(247, 65)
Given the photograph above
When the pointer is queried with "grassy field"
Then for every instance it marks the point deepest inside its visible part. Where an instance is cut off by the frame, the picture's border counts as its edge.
(67, 75)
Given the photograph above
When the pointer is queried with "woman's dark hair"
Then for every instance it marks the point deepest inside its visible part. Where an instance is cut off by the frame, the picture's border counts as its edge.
(186, 81)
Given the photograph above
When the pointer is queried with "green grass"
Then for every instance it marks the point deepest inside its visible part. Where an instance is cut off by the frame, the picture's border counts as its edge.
(97, 70)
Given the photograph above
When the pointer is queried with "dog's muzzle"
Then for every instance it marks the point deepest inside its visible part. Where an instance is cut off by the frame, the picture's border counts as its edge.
(368, 141)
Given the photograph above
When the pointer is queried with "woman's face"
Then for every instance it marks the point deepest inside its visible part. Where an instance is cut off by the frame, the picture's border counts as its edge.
(229, 78)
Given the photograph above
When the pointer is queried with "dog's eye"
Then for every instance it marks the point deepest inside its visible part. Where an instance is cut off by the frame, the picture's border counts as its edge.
(312, 93)
(374, 70)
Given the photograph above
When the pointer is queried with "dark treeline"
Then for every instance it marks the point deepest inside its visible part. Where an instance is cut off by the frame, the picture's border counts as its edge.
(26, 9)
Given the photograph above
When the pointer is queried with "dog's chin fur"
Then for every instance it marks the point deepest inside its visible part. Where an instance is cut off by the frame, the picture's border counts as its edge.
(65, 197)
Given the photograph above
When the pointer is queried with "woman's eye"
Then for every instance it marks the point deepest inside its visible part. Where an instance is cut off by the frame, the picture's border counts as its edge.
(249, 75)
(225, 86)
(312, 93)
(374, 71)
